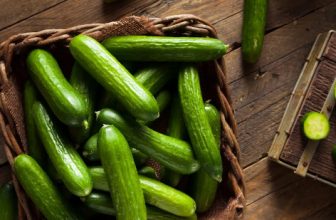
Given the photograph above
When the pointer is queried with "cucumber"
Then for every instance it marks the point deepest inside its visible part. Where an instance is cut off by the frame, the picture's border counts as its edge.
(90, 151)
(315, 126)
(35, 148)
(198, 127)
(167, 49)
(254, 22)
(62, 154)
(152, 77)
(41, 190)
(121, 174)
(83, 83)
(214, 119)
(204, 188)
(155, 76)
(65, 102)
(114, 77)
(8, 202)
(156, 194)
(101, 203)
(148, 171)
(176, 129)
(163, 99)
(170, 152)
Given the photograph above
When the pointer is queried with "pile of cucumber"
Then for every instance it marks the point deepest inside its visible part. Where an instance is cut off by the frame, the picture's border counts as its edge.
(92, 136)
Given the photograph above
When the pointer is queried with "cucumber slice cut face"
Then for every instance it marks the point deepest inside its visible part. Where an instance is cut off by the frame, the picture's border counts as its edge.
(315, 126)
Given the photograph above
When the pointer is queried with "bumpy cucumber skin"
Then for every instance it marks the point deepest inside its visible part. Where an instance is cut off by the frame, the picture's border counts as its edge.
(167, 198)
(148, 171)
(198, 127)
(114, 77)
(253, 29)
(8, 202)
(35, 148)
(176, 129)
(170, 152)
(62, 98)
(156, 193)
(121, 174)
(204, 187)
(214, 119)
(41, 190)
(63, 155)
(84, 84)
(167, 49)
(156, 76)
(90, 151)
(102, 203)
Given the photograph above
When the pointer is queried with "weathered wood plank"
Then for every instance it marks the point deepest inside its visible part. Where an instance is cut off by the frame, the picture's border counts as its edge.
(12, 11)
(274, 192)
(261, 102)
(265, 177)
(226, 15)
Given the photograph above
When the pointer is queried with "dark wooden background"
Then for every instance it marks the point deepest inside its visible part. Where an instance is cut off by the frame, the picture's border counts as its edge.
(260, 93)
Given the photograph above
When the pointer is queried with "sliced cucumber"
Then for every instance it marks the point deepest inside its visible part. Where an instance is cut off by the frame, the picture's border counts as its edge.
(315, 126)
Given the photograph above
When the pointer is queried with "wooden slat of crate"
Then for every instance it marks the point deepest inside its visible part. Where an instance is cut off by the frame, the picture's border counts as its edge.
(322, 164)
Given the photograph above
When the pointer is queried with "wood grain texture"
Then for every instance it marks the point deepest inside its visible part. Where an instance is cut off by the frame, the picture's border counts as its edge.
(275, 193)
(12, 11)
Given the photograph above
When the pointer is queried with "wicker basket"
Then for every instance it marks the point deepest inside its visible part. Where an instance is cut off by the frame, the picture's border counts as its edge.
(230, 200)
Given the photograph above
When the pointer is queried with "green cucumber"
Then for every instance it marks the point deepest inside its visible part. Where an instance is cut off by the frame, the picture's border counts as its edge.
(170, 152)
(214, 119)
(204, 187)
(315, 126)
(62, 154)
(198, 127)
(90, 151)
(155, 76)
(148, 171)
(101, 203)
(167, 49)
(62, 98)
(163, 99)
(41, 190)
(254, 22)
(35, 148)
(83, 83)
(176, 129)
(8, 202)
(156, 193)
(114, 77)
(121, 174)
(152, 77)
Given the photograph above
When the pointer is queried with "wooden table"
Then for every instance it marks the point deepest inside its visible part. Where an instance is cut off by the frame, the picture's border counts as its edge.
(260, 92)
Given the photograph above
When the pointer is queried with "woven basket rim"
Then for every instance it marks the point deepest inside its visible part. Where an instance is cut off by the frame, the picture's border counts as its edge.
(181, 25)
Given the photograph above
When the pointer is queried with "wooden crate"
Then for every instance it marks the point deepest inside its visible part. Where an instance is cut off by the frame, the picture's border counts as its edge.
(313, 92)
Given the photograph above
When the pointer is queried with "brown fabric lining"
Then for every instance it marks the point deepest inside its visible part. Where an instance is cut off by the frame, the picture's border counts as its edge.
(229, 203)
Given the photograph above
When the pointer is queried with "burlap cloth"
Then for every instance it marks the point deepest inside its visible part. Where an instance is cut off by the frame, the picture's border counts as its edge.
(230, 197)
